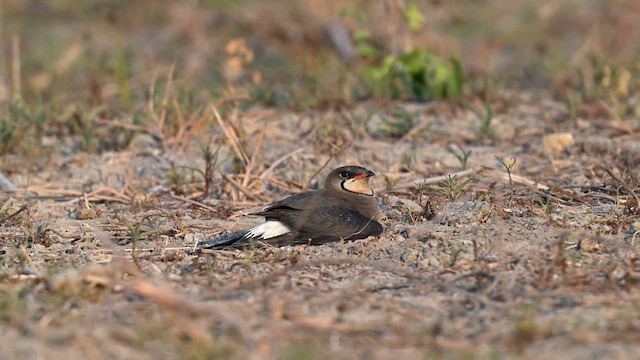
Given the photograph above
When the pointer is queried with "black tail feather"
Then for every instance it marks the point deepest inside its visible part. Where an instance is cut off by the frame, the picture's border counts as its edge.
(223, 240)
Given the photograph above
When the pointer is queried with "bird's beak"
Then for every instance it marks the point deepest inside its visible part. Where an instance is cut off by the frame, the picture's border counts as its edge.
(365, 174)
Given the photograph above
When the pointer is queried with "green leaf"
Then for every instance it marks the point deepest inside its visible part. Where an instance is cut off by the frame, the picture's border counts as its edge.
(346, 12)
(414, 17)
(360, 35)
(418, 73)
(366, 50)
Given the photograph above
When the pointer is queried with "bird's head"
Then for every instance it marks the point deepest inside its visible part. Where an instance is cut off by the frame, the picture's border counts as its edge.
(353, 179)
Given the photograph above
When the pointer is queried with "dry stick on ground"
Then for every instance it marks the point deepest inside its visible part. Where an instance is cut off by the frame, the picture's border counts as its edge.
(231, 136)
(562, 192)
(232, 99)
(145, 250)
(243, 189)
(468, 172)
(283, 185)
(415, 130)
(624, 184)
(188, 130)
(43, 193)
(23, 208)
(123, 125)
(182, 123)
(432, 180)
(208, 171)
(250, 166)
(524, 181)
(165, 105)
(267, 172)
(338, 151)
(610, 217)
(194, 202)
(131, 174)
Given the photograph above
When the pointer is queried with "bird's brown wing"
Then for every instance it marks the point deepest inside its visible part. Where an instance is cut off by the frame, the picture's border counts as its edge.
(341, 222)
(306, 200)
(327, 221)
(318, 217)
(301, 203)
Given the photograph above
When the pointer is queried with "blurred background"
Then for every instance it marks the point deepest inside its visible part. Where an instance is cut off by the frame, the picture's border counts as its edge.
(70, 56)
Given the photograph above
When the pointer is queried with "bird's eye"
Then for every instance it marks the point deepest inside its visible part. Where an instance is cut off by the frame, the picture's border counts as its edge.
(344, 175)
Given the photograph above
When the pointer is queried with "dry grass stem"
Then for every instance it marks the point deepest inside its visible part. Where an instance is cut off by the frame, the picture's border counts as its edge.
(337, 151)
(60, 194)
(232, 137)
(243, 189)
(252, 162)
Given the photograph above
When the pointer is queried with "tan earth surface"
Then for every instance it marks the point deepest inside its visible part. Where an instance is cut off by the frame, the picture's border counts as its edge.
(98, 254)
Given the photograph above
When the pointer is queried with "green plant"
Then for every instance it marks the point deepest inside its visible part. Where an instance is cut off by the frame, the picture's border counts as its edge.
(212, 162)
(418, 73)
(455, 251)
(629, 182)
(508, 166)
(399, 124)
(120, 66)
(461, 155)
(361, 36)
(8, 135)
(602, 80)
(137, 234)
(83, 124)
(176, 178)
(406, 160)
(485, 118)
(302, 351)
(391, 182)
(545, 201)
(572, 100)
(356, 121)
(21, 127)
(452, 187)
(413, 17)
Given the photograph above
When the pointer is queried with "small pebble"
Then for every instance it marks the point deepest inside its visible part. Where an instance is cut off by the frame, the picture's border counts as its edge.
(409, 256)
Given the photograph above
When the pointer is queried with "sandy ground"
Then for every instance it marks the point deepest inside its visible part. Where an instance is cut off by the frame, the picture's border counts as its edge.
(100, 262)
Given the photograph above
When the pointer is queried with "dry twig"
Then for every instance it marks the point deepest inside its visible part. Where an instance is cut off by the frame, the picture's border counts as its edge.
(250, 166)
(243, 189)
(231, 136)
(337, 151)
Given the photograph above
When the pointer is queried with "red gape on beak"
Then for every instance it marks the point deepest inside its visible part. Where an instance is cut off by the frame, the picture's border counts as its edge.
(367, 174)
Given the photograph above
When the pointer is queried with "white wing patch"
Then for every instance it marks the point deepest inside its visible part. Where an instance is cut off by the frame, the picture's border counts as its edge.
(268, 230)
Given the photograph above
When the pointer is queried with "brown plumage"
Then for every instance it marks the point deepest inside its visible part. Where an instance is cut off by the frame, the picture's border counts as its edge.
(345, 209)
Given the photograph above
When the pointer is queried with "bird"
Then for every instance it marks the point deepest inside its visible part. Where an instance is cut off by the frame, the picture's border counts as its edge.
(345, 209)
